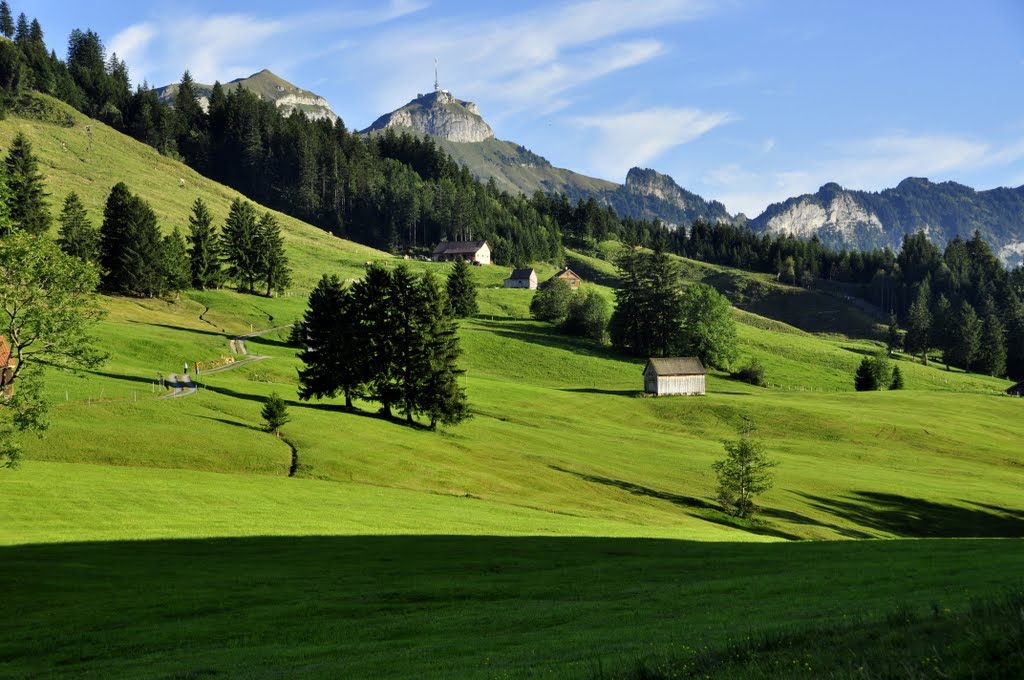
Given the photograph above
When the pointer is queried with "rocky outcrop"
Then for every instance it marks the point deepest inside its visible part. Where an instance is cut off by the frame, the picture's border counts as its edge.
(441, 115)
(845, 218)
(268, 86)
(648, 194)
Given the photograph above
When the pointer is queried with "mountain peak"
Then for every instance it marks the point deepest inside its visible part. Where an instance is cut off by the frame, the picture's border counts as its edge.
(441, 114)
(268, 86)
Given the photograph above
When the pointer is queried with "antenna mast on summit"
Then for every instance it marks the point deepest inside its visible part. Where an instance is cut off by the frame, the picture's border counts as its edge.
(437, 86)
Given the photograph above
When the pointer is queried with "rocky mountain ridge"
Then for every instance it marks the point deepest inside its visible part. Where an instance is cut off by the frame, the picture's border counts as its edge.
(286, 96)
(846, 218)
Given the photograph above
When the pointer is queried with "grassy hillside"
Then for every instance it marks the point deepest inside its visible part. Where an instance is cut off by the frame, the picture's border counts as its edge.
(570, 526)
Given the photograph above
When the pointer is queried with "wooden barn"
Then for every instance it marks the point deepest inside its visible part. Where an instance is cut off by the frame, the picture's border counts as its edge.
(522, 278)
(674, 375)
(571, 277)
(6, 369)
(476, 252)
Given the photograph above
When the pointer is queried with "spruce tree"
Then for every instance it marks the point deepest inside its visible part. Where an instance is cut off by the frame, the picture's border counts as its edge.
(648, 317)
(333, 344)
(273, 262)
(897, 379)
(77, 236)
(919, 326)
(114, 235)
(991, 358)
(240, 245)
(27, 200)
(442, 400)
(966, 337)
(865, 380)
(461, 290)
(174, 261)
(1014, 314)
(131, 249)
(204, 260)
(6, 20)
(943, 322)
(380, 318)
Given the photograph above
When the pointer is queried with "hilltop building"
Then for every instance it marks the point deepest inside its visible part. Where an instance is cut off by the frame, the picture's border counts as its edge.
(475, 252)
(674, 375)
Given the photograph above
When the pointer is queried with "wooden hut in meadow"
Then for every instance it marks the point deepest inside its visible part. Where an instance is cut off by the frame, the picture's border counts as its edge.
(522, 278)
(674, 375)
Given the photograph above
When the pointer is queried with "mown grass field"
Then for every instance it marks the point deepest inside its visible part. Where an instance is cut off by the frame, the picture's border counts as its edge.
(568, 529)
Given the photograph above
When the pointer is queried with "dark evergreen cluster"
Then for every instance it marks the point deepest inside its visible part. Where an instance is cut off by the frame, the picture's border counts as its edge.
(656, 317)
(135, 260)
(390, 337)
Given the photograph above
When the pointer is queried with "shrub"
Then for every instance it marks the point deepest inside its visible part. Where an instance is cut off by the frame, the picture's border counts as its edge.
(752, 373)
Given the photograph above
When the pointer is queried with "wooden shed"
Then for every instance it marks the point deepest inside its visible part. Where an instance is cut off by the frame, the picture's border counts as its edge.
(477, 252)
(674, 375)
(522, 278)
(571, 277)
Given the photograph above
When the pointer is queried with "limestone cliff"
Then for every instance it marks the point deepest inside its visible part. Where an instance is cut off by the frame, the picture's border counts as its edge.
(286, 96)
(441, 115)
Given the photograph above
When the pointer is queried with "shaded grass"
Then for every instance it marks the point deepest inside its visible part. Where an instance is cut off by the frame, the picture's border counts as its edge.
(450, 606)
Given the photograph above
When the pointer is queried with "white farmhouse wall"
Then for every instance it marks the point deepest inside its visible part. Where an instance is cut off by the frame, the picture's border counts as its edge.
(680, 384)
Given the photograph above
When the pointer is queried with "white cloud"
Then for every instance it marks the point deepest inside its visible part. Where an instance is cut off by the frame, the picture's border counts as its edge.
(636, 138)
(226, 46)
(515, 62)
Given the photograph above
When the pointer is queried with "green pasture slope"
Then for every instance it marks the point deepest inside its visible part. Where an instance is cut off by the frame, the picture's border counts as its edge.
(567, 530)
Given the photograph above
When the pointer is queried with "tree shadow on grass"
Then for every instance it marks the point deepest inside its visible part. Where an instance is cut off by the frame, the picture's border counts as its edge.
(918, 518)
(704, 510)
(528, 331)
(333, 408)
(595, 390)
(200, 331)
(233, 423)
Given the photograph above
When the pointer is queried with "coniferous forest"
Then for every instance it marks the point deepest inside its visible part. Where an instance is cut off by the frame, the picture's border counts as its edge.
(401, 193)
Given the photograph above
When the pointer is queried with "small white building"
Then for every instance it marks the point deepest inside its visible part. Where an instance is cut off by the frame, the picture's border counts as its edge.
(476, 252)
(674, 375)
(522, 278)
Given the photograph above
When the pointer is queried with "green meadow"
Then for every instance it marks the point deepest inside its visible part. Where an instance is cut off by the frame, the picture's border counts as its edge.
(568, 529)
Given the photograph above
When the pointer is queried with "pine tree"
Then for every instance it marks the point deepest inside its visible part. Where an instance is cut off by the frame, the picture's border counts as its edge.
(204, 259)
(27, 199)
(375, 299)
(648, 317)
(919, 326)
(333, 344)
(461, 290)
(240, 245)
(442, 399)
(273, 262)
(966, 337)
(77, 236)
(114, 235)
(991, 358)
(275, 414)
(6, 20)
(1014, 314)
(174, 262)
(897, 379)
(943, 322)
(865, 380)
(130, 246)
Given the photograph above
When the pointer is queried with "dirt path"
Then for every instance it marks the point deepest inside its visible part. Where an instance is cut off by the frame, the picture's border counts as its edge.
(183, 384)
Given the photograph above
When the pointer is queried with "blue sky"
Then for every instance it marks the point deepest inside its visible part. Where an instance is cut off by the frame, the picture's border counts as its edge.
(744, 101)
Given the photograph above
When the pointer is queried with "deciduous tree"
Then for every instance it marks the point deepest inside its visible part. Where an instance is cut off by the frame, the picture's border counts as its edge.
(48, 307)
(743, 474)
(709, 331)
